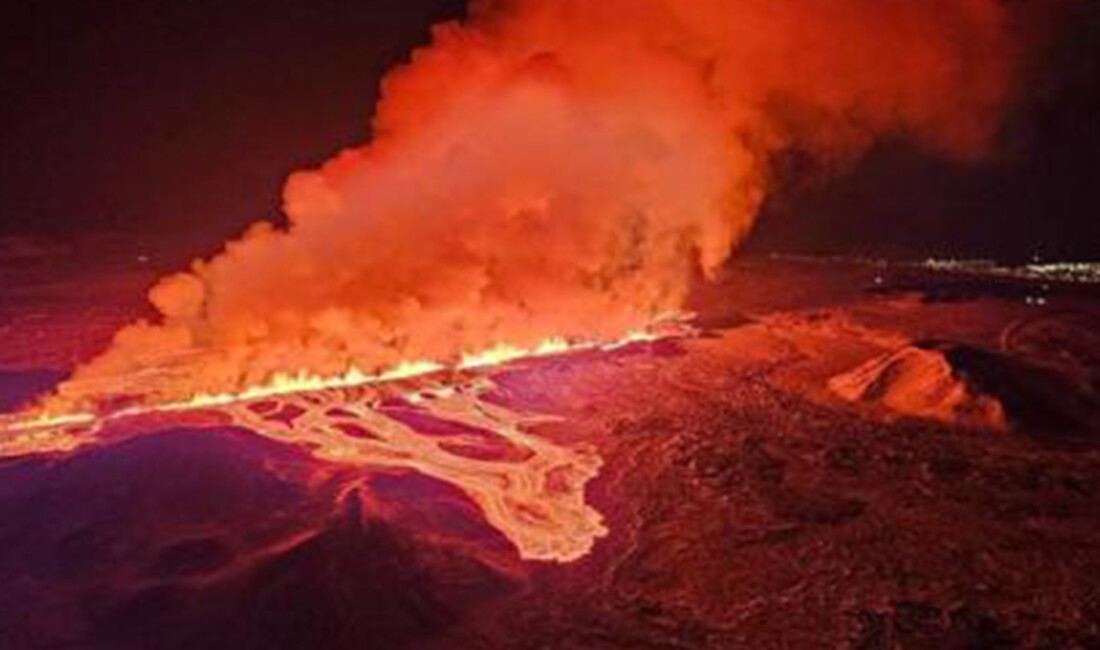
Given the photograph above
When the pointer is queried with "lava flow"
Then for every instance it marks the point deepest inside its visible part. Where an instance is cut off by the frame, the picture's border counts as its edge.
(528, 487)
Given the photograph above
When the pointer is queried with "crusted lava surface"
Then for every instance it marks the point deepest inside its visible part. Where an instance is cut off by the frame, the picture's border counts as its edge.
(746, 504)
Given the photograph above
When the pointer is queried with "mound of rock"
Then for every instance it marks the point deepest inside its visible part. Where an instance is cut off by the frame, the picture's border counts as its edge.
(973, 388)
(921, 381)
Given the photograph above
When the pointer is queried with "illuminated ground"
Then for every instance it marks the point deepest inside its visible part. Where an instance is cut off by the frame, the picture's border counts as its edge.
(747, 506)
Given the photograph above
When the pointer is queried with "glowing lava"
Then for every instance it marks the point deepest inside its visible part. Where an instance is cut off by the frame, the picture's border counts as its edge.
(528, 487)
(425, 416)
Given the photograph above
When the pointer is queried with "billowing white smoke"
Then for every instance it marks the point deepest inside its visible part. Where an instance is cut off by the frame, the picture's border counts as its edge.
(557, 168)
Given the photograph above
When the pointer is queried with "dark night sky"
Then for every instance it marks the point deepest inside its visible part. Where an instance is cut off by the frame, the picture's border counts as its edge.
(183, 118)
(1038, 194)
(180, 120)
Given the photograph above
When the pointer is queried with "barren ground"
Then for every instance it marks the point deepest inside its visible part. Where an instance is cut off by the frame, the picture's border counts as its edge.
(748, 507)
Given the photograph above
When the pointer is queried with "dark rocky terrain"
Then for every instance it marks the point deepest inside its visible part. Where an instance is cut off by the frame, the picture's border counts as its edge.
(748, 505)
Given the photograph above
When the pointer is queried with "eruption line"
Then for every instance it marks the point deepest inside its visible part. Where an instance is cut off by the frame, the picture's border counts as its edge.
(302, 382)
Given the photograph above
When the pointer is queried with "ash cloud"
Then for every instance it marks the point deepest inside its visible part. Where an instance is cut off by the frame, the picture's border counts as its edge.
(559, 168)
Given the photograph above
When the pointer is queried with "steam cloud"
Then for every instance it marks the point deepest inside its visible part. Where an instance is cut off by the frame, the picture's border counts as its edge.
(559, 168)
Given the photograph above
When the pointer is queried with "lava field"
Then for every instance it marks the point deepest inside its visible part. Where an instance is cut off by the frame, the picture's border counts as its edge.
(732, 497)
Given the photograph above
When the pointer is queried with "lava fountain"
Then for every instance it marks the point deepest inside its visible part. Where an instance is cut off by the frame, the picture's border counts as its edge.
(545, 174)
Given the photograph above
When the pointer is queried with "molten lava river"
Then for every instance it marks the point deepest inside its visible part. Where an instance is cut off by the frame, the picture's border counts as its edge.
(446, 423)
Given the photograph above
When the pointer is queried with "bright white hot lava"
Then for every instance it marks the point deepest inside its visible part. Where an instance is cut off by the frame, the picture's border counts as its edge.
(425, 416)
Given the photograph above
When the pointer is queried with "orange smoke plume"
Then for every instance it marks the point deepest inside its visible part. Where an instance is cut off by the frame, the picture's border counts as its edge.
(556, 169)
